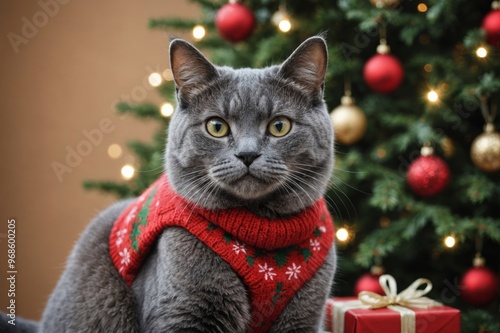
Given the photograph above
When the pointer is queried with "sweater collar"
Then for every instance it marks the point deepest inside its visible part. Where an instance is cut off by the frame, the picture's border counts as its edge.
(247, 227)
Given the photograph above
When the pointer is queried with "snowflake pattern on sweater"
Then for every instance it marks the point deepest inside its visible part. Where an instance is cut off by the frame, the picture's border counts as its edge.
(274, 258)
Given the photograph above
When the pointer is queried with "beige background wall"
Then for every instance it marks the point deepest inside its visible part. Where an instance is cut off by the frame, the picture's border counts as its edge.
(63, 80)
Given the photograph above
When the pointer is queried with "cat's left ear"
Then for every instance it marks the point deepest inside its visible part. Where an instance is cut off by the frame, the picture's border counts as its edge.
(190, 69)
(306, 66)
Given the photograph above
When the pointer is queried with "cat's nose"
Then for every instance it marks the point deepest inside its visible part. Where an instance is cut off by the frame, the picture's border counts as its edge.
(247, 157)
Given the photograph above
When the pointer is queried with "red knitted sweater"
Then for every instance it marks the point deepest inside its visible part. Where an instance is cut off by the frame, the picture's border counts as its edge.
(274, 258)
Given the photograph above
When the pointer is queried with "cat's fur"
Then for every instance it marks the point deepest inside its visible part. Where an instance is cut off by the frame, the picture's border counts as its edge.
(183, 286)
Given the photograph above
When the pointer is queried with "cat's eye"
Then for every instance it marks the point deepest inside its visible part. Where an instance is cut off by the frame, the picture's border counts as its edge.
(279, 126)
(217, 127)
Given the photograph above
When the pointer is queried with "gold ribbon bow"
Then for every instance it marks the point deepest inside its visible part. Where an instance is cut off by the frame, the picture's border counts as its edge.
(411, 297)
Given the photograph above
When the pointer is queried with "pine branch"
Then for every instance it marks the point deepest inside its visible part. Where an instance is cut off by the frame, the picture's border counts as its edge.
(167, 91)
(488, 85)
(142, 150)
(120, 190)
(380, 243)
(209, 4)
(474, 38)
(479, 321)
(143, 110)
(177, 23)
(477, 187)
(387, 194)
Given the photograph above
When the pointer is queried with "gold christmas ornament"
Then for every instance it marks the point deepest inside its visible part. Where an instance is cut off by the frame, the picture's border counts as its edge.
(349, 122)
(485, 150)
(448, 147)
(385, 3)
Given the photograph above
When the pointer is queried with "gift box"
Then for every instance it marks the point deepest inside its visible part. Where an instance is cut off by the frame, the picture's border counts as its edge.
(442, 319)
(376, 313)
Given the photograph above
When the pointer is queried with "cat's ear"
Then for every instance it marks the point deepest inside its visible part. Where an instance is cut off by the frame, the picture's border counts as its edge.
(306, 66)
(190, 69)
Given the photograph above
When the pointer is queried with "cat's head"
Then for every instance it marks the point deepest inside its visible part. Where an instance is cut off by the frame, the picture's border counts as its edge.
(257, 138)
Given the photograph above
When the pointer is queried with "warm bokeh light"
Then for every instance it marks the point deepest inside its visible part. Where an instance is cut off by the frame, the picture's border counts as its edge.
(432, 96)
(167, 74)
(285, 25)
(428, 68)
(422, 7)
(449, 241)
(381, 153)
(154, 79)
(384, 222)
(424, 39)
(342, 234)
(129, 159)
(167, 110)
(481, 52)
(198, 32)
(128, 172)
(115, 150)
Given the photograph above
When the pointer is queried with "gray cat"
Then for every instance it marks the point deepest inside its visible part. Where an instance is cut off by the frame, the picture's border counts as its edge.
(257, 141)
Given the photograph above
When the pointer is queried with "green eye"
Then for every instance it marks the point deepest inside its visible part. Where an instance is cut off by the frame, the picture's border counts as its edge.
(217, 127)
(280, 126)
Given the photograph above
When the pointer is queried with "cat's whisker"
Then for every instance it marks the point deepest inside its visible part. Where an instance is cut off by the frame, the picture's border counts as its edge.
(293, 179)
(349, 217)
(296, 194)
(332, 201)
(193, 185)
(307, 168)
(211, 193)
(210, 185)
(199, 194)
(332, 183)
(346, 171)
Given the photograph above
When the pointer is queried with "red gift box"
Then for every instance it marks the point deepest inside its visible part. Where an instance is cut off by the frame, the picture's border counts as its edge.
(437, 319)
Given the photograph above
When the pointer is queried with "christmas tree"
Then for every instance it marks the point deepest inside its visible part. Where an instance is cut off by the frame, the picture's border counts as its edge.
(416, 186)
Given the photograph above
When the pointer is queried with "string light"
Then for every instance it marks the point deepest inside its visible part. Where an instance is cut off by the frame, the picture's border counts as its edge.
(154, 79)
(432, 96)
(198, 32)
(449, 241)
(285, 25)
(167, 110)
(342, 234)
(128, 171)
(282, 20)
(481, 52)
(115, 150)
(422, 7)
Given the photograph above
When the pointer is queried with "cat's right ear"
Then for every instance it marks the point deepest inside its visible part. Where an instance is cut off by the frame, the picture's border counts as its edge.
(306, 67)
(190, 69)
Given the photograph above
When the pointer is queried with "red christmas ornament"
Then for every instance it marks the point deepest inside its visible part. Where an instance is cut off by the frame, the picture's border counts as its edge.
(479, 285)
(369, 281)
(428, 174)
(491, 24)
(235, 22)
(383, 72)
